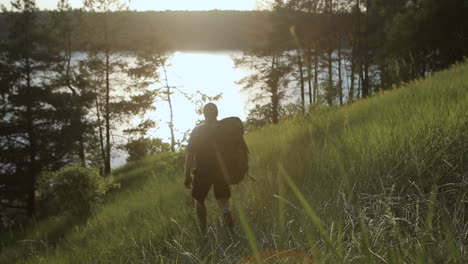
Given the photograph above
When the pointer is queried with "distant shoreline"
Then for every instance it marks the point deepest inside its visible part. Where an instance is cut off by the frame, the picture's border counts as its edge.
(214, 30)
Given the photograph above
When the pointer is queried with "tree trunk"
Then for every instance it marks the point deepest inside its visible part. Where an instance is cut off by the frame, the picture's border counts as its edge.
(309, 57)
(32, 152)
(330, 78)
(33, 168)
(301, 77)
(340, 78)
(171, 121)
(365, 85)
(82, 152)
(101, 137)
(77, 116)
(351, 86)
(316, 88)
(357, 51)
(330, 89)
(274, 106)
(107, 167)
(361, 78)
(274, 93)
(352, 74)
(309, 72)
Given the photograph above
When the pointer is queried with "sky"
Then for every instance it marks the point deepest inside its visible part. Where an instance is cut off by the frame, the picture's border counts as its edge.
(143, 5)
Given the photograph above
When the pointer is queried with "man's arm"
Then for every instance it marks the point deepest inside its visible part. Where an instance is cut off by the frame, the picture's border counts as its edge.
(188, 168)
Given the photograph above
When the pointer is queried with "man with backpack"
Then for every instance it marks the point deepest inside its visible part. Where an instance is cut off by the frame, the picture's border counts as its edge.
(210, 152)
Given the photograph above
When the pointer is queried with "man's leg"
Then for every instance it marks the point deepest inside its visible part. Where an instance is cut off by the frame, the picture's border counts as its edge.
(201, 215)
(223, 194)
(223, 204)
(199, 191)
(227, 216)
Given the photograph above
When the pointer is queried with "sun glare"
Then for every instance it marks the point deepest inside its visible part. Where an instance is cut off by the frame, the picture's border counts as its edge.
(211, 74)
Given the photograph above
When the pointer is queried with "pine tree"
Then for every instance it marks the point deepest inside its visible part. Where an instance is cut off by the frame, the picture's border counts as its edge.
(35, 111)
(117, 97)
(65, 40)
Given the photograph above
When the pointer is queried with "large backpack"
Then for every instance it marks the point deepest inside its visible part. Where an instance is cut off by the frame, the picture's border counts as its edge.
(234, 151)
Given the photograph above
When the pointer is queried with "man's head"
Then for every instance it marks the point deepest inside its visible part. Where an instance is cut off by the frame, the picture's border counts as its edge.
(210, 111)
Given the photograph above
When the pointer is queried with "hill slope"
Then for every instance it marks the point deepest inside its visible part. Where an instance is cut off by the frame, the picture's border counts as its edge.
(382, 180)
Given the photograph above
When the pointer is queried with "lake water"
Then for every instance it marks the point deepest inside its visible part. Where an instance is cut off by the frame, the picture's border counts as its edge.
(211, 72)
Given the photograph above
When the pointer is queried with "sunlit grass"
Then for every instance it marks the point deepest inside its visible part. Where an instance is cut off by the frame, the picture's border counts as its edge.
(383, 180)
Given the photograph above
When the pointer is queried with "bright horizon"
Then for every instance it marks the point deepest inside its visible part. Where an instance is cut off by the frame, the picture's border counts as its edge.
(145, 5)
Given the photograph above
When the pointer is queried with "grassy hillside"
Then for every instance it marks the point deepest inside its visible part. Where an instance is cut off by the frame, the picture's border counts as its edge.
(384, 180)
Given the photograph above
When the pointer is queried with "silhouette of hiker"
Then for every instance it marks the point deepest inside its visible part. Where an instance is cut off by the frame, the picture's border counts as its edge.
(202, 148)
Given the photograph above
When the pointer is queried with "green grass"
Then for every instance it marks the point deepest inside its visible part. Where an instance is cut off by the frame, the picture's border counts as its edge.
(384, 180)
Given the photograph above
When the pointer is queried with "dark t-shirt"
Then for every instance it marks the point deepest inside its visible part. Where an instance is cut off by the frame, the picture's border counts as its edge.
(204, 143)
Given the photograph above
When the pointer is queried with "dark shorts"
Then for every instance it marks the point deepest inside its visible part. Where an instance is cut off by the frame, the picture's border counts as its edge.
(202, 184)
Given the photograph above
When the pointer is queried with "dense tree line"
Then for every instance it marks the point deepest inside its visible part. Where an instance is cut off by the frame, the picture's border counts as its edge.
(64, 94)
(335, 51)
(185, 30)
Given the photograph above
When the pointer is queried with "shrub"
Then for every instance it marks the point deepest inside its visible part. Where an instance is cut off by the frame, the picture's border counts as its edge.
(138, 149)
(76, 189)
